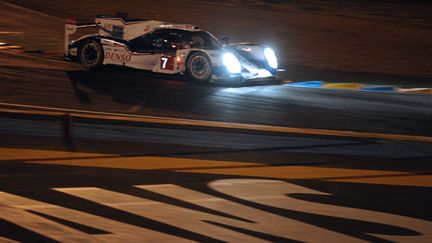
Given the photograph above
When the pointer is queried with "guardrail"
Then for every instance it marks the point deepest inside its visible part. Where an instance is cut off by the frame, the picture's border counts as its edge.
(64, 117)
(67, 116)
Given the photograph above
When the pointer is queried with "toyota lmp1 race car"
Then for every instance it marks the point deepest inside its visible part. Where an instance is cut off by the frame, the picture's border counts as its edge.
(166, 48)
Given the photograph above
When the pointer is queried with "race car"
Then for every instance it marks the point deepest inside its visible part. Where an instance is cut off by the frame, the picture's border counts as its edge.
(167, 48)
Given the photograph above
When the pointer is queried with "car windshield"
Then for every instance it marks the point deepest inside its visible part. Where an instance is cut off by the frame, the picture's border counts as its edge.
(174, 39)
(202, 39)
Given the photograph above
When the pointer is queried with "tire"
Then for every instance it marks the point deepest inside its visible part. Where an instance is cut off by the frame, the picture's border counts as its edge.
(199, 67)
(91, 55)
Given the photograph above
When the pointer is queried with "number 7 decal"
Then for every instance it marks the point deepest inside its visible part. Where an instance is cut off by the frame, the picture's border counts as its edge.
(167, 62)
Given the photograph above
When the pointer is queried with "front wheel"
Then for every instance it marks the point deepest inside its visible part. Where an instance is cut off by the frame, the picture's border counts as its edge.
(91, 55)
(199, 67)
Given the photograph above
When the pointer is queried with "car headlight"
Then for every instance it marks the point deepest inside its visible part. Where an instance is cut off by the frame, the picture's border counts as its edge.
(231, 63)
(271, 58)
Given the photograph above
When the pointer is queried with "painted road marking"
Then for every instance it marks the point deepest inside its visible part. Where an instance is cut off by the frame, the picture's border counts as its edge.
(18, 154)
(247, 223)
(416, 90)
(265, 191)
(343, 86)
(206, 223)
(381, 88)
(10, 32)
(401, 180)
(9, 47)
(307, 84)
(379, 177)
(34, 156)
(4, 240)
(50, 111)
(206, 166)
(356, 86)
(18, 210)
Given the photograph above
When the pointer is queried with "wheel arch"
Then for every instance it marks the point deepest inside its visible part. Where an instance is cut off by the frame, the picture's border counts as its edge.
(78, 43)
(197, 51)
(86, 40)
(207, 56)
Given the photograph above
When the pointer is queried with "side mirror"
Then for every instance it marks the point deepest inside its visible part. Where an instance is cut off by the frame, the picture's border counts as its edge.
(225, 40)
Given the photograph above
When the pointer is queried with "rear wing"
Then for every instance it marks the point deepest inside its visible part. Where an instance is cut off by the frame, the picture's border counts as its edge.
(71, 27)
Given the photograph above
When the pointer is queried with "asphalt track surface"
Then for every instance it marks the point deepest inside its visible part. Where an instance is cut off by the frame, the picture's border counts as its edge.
(116, 180)
(122, 180)
(129, 91)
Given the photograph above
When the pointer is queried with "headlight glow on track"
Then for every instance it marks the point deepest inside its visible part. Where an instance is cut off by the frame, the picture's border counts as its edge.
(271, 57)
(231, 62)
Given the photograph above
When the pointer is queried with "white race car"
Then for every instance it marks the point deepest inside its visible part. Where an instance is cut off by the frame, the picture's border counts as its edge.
(166, 48)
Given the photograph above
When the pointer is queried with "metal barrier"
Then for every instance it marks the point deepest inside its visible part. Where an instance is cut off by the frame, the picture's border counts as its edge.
(68, 115)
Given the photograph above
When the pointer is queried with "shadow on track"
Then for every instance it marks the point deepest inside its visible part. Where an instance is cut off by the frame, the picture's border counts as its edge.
(127, 85)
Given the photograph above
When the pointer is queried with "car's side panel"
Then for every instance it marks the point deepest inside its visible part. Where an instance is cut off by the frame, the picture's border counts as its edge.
(120, 55)
(119, 28)
(116, 55)
(159, 62)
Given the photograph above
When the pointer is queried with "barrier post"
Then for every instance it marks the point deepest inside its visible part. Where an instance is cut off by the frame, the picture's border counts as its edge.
(67, 125)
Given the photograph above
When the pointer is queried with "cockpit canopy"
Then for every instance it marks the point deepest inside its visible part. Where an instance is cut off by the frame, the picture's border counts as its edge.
(175, 39)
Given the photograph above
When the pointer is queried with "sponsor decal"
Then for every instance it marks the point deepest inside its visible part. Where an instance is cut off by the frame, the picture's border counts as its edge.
(114, 30)
(167, 62)
(121, 57)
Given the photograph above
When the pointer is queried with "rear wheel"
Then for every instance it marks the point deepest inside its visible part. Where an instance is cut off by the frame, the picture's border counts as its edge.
(91, 55)
(199, 67)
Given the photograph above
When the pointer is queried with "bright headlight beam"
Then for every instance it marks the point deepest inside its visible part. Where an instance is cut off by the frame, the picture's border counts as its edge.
(271, 57)
(231, 62)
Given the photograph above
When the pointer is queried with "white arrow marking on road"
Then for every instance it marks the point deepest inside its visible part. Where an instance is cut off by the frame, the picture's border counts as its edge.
(263, 191)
